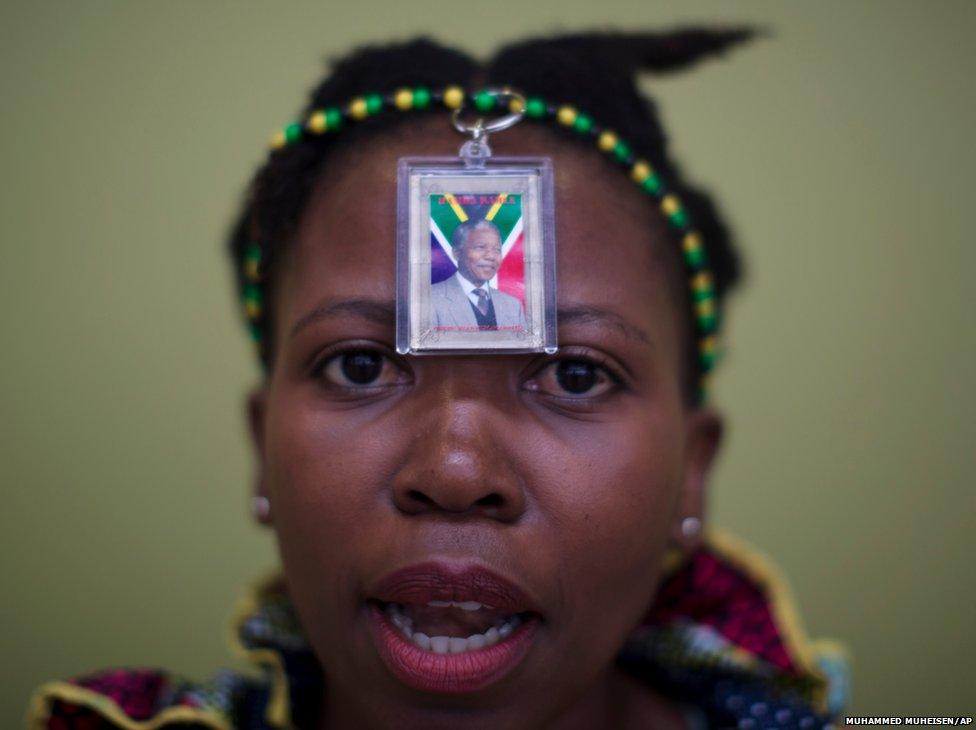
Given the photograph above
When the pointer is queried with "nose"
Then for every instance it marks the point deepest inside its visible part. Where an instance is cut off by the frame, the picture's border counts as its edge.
(458, 464)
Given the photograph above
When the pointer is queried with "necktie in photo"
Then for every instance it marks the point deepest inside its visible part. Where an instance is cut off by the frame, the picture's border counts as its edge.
(482, 301)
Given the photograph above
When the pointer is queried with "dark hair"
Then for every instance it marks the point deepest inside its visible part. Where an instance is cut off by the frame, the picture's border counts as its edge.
(593, 72)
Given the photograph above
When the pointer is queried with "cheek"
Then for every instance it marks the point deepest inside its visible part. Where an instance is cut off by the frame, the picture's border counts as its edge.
(612, 501)
(324, 474)
(324, 468)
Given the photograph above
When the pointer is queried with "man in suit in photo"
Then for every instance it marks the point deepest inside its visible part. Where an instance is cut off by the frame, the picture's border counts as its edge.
(465, 300)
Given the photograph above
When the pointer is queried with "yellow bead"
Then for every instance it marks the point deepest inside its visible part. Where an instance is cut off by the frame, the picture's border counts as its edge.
(453, 97)
(705, 308)
(403, 99)
(701, 281)
(670, 204)
(640, 171)
(566, 116)
(357, 109)
(692, 242)
(251, 271)
(709, 346)
(252, 309)
(316, 122)
(606, 141)
(278, 139)
(516, 106)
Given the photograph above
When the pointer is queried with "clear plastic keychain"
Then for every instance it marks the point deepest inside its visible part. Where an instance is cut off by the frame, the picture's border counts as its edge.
(476, 247)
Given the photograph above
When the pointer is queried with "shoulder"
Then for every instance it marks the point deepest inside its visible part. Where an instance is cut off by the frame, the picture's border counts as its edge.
(136, 698)
(441, 288)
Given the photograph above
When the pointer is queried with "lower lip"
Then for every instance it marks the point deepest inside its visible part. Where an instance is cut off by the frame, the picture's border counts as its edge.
(449, 673)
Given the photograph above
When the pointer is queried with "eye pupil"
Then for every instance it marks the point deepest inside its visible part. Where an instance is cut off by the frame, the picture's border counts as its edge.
(575, 376)
(362, 368)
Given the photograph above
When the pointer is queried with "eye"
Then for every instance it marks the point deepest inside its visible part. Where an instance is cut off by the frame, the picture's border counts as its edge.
(358, 369)
(573, 378)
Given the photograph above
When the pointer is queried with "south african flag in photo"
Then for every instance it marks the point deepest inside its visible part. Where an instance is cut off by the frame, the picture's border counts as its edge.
(502, 209)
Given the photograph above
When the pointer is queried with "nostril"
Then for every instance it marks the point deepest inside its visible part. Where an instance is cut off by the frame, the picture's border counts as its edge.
(419, 496)
(492, 500)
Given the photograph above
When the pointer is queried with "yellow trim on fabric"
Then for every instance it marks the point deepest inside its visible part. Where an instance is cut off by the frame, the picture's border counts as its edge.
(739, 554)
(456, 207)
(493, 210)
(39, 710)
(762, 571)
(278, 711)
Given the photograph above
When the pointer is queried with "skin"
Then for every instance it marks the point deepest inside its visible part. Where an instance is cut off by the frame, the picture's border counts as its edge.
(486, 458)
(480, 256)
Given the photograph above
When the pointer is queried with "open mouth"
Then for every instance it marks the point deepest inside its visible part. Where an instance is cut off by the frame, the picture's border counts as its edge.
(451, 629)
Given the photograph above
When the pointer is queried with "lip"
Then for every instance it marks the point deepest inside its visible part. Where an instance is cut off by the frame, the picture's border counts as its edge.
(469, 671)
(438, 581)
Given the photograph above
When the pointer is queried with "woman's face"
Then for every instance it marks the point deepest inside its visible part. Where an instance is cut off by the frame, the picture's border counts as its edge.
(563, 476)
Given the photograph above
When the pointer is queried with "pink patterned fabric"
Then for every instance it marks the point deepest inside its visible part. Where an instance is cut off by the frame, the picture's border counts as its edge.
(709, 591)
(136, 691)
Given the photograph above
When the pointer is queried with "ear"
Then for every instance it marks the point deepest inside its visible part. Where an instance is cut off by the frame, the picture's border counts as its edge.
(704, 431)
(256, 412)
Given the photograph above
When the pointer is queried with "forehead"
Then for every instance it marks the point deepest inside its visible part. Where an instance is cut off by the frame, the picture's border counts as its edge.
(484, 234)
(609, 240)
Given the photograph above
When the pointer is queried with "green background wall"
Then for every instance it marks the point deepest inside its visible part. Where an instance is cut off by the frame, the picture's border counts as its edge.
(840, 149)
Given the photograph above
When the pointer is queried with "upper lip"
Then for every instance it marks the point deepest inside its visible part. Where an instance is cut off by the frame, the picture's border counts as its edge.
(439, 581)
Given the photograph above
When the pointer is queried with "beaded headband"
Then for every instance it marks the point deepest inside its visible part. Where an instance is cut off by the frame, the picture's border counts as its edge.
(331, 120)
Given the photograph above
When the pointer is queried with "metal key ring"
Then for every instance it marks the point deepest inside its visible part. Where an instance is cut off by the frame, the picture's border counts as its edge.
(480, 128)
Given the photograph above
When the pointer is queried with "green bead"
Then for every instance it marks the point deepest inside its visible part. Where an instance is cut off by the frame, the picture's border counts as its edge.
(696, 258)
(707, 322)
(707, 361)
(374, 102)
(583, 124)
(535, 107)
(652, 184)
(484, 101)
(679, 218)
(333, 119)
(253, 253)
(421, 98)
(252, 293)
(621, 151)
(293, 132)
(256, 333)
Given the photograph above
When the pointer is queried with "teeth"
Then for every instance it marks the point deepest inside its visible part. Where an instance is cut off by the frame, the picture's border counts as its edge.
(509, 626)
(404, 623)
(452, 644)
(464, 605)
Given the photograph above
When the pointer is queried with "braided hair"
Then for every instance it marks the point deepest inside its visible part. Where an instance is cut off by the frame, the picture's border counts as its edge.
(593, 71)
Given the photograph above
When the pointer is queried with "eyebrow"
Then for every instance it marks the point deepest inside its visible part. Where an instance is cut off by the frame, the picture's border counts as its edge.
(378, 311)
(383, 313)
(581, 314)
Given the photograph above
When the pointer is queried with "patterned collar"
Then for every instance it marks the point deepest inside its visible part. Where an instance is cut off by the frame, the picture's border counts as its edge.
(722, 637)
